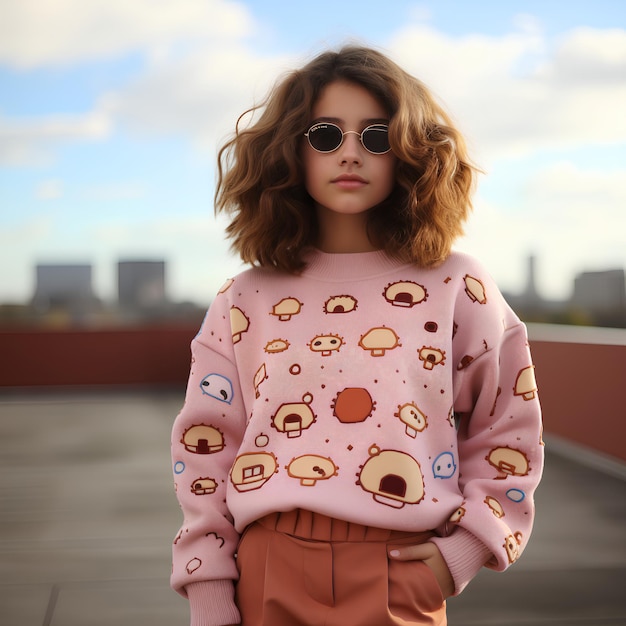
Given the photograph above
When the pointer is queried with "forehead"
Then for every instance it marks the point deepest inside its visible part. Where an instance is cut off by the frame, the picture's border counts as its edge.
(348, 102)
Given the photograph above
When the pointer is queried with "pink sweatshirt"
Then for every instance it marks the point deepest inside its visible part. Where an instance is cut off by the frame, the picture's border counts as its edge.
(367, 390)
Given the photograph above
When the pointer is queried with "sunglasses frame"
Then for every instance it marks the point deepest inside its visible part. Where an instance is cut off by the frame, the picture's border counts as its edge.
(344, 133)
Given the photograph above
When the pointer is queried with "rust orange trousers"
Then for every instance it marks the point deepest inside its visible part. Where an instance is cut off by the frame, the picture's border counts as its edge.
(305, 569)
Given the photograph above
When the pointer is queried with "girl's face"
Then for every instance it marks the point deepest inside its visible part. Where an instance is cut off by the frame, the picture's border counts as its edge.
(350, 180)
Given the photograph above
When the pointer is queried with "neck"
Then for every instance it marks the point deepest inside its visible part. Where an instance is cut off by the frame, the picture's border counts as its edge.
(342, 234)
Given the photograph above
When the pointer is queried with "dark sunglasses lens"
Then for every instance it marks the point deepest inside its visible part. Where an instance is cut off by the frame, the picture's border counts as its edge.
(325, 137)
(376, 139)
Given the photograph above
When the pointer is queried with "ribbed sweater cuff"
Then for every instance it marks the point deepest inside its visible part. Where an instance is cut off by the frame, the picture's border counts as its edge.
(212, 603)
(464, 555)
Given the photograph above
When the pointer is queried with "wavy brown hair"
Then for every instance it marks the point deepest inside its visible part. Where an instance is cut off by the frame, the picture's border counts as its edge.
(260, 172)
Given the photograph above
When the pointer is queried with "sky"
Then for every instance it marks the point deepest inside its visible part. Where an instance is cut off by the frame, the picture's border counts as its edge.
(112, 112)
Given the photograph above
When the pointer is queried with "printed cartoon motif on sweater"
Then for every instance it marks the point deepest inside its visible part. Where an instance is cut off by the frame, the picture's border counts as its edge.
(252, 470)
(378, 340)
(286, 309)
(311, 468)
(239, 323)
(444, 466)
(411, 416)
(340, 304)
(393, 478)
(203, 439)
(405, 293)
(290, 387)
(294, 417)
(326, 344)
(218, 387)
(509, 462)
(525, 384)
(352, 405)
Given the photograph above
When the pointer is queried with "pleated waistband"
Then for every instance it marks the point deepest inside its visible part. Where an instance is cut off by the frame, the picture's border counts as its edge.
(317, 527)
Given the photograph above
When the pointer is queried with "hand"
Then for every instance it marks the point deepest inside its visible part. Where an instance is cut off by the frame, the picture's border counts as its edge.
(430, 555)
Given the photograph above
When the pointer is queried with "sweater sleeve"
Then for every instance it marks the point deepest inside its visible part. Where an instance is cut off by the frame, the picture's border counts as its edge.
(499, 438)
(205, 438)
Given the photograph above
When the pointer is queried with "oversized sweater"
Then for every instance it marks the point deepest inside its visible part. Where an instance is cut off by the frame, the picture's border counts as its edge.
(365, 389)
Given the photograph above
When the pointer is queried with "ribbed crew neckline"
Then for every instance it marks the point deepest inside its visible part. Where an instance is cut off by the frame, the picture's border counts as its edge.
(349, 266)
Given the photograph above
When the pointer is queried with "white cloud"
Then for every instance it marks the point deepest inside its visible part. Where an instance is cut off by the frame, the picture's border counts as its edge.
(518, 93)
(32, 140)
(200, 96)
(48, 33)
(111, 192)
(587, 56)
(50, 189)
(566, 184)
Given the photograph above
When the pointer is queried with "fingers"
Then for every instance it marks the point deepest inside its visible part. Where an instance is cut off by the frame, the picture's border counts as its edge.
(419, 552)
(429, 554)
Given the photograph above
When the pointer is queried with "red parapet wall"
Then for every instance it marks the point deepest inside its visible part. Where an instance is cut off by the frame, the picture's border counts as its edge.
(581, 383)
(581, 389)
(145, 356)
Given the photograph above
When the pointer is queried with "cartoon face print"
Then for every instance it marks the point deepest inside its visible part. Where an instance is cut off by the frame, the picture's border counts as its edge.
(340, 304)
(508, 462)
(239, 323)
(512, 545)
(431, 356)
(516, 495)
(218, 387)
(412, 417)
(379, 340)
(475, 289)
(203, 486)
(276, 345)
(286, 309)
(444, 465)
(252, 470)
(393, 478)
(457, 516)
(293, 418)
(495, 506)
(353, 405)
(525, 384)
(310, 468)
(202, 439)
(405, 294)
(326, 344)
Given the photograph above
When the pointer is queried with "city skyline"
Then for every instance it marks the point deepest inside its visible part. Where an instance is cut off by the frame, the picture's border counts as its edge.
(108, 135)
(143, 281)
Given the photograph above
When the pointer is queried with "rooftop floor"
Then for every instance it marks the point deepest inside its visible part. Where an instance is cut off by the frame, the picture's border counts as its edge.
(88, 514)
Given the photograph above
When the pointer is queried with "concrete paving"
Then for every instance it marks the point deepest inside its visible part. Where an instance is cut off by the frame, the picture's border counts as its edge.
(87, 516)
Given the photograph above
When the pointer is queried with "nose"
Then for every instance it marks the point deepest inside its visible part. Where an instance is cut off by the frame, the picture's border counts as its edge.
(351, 150)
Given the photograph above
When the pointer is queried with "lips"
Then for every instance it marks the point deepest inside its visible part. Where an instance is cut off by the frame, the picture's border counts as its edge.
(350, 178)
(349, 181)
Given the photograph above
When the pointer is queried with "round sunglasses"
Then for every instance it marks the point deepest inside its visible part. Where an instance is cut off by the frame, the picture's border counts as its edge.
(327, 137)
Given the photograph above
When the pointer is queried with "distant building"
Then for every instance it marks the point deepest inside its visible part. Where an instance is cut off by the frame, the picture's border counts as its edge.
(63, 286)
(600, 291)
(531, 296)
(141, 284)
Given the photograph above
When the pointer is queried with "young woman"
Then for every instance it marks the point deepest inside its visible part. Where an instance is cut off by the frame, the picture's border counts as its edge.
(361, 431)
